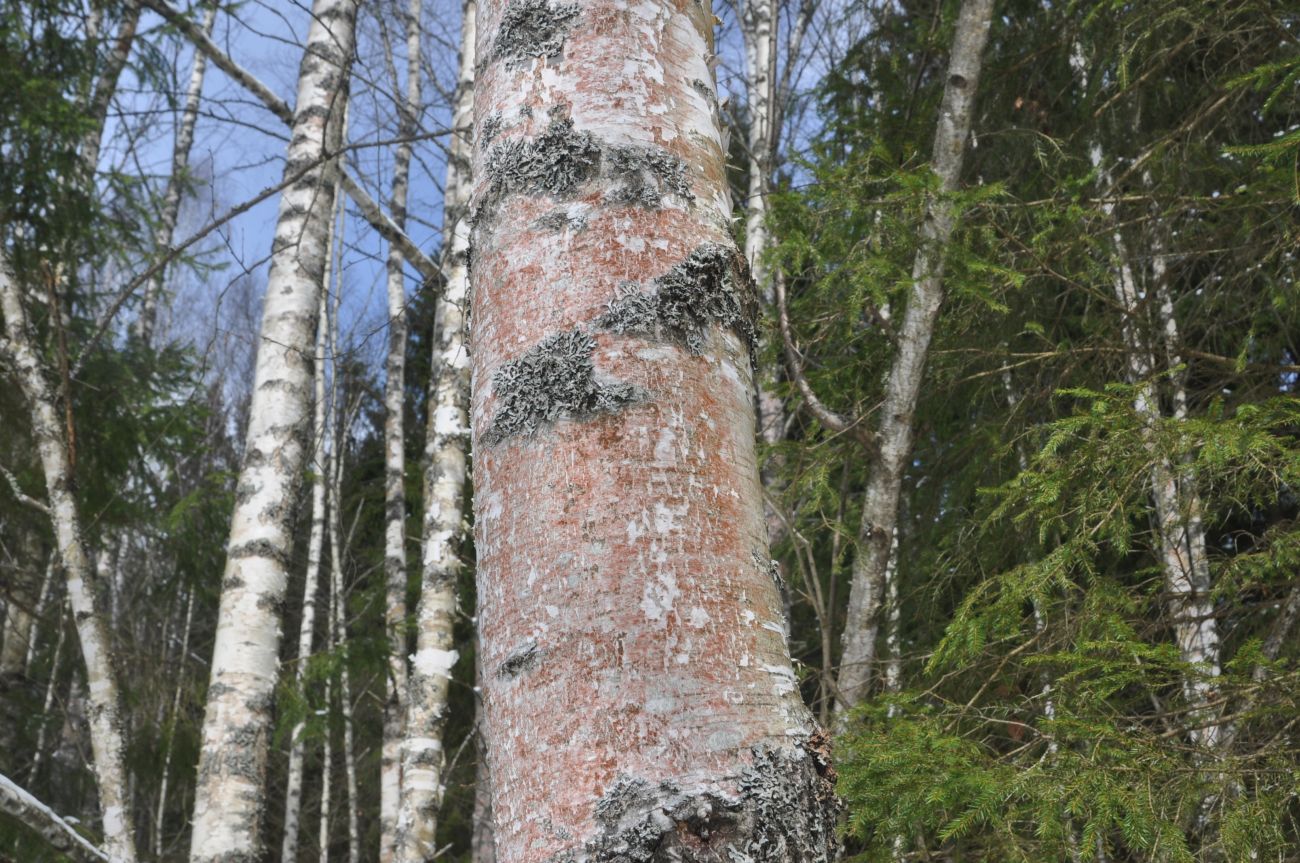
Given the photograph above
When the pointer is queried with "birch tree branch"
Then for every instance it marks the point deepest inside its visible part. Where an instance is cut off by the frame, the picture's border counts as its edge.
(18, 803)
(366, 205)
(18, 492)
(220, 59)
(836, 422)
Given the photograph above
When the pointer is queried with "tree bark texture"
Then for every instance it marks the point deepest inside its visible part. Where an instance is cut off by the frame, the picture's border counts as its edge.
(639, 698)
(903, 388)
(105, 714)
(446, 460)
(390, 779)
(311, 583)
(229, 800)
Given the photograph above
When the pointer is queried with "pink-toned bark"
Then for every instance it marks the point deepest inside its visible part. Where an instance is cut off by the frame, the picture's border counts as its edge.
(638, 694)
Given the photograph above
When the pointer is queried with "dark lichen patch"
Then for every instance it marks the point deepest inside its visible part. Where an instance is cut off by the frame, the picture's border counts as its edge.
(520, 660)
(554, 163)
(785, 812)
(710, 288)
(533, 28)
(706, 91)
(552, 380)
(645, 174)
(560, 219)
(489, 128)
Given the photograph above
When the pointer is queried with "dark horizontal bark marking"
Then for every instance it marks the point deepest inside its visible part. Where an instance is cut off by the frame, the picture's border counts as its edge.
(712, 287)
(554, 379)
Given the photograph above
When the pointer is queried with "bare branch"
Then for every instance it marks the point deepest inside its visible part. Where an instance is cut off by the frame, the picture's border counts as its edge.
(19, 494)
(823, 414)
(19, 803)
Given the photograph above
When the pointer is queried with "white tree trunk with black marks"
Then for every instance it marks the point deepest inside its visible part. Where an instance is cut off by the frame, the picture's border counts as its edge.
(623, 562)
(903, 388)
(446, 439)
(230, 792)
(105, 717)
(311, 583)
(390, 776)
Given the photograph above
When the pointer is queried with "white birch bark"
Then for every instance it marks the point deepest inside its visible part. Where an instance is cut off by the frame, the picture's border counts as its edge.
(106, 721)
(171, 204)
(390, 771)
(105, 87)
(1182, 546)
(446, 437)
(160, 811)
(338, 605)
(315, 546)
(902, 390)
(50, 687)
(229, 795)
(18, 803)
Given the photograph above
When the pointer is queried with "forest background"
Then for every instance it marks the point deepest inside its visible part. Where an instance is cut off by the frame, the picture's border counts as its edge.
(1066, 570)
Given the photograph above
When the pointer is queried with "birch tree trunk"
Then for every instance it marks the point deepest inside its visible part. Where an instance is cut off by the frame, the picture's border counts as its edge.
(446, 436)
(106, 721)
(902, 390)
(390, 780)
(229, 795)
(1182, 545)
(311, 583)
(623, 560)
(171, 205)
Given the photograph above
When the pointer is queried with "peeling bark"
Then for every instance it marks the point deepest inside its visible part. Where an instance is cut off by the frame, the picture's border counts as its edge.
(903, 388)
(229, 800)
(619, 520)
(446, 439)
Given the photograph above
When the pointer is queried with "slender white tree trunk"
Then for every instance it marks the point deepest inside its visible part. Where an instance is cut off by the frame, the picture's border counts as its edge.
(311, 583)
(106, 722)
(390, 777)
(446, 437)
(902, 390)
(171, 205)
(229, 799)
(50, 688)
(623, 564)
(339, 604)
(160, 812)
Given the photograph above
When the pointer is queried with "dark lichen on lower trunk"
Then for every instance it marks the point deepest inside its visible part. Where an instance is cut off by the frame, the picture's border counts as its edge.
(783, 810)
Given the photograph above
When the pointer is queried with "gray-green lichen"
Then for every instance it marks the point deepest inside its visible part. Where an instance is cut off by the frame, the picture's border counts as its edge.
(552, 380)
(563, 158)
(785, 811)
(554, 163)
(560, 219)
(533, 28)
(710, 288)
(644, 174)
